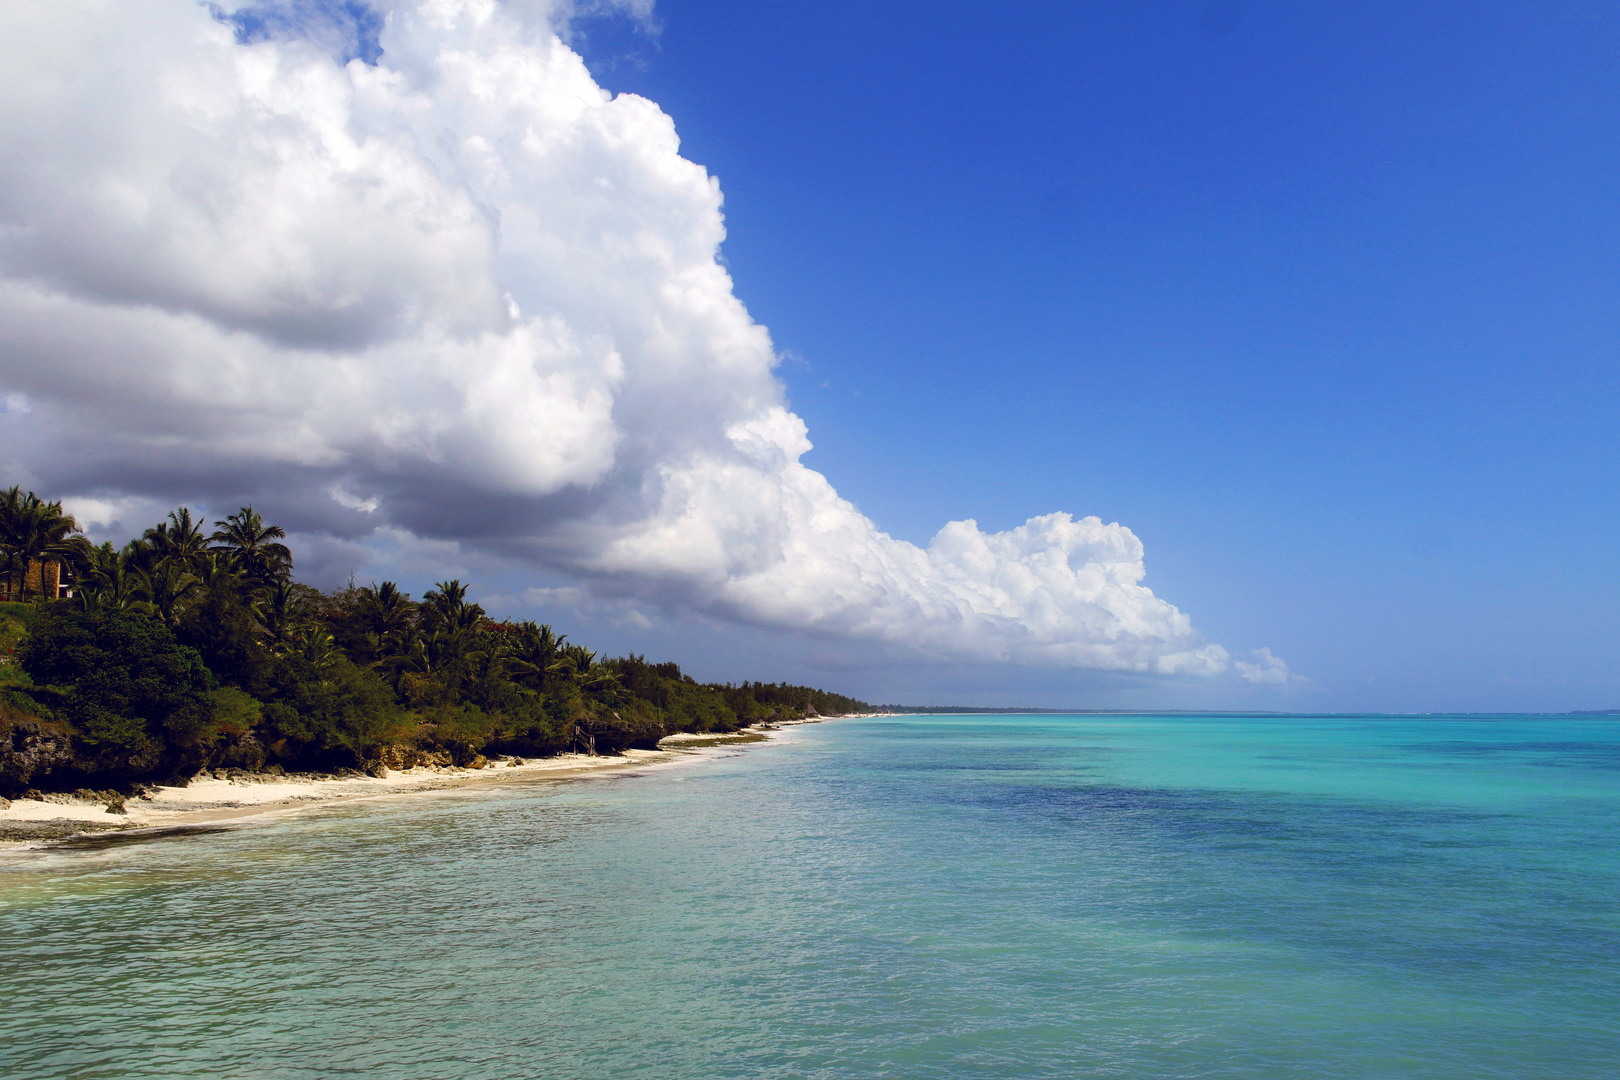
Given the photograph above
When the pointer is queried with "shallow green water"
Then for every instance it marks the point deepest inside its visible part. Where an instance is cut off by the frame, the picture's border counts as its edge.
(919, 897)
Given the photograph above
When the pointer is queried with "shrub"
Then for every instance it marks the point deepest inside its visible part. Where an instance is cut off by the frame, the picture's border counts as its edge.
(129, 683)
(23, 703)
(13, 675)
(222, 629)
(460, 727)
(236, 712)
(339, 712)
(535, 724)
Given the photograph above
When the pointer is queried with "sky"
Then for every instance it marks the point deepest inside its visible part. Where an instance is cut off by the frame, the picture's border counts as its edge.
(1311, 307)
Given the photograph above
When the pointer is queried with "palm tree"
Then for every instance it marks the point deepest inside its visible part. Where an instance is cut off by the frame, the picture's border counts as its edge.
(446, 607)
(487, 660)
(179, 540)
(316, 646)
(602, 683)
(11, 514)
(35, 531)
(168, 586)
(279, 612)
(598, 682)
(388, 614)
(252, 547)
(573, 662)
(536, 649)
(451, 647)
(218, 573)
(114, 582)
(429, 665)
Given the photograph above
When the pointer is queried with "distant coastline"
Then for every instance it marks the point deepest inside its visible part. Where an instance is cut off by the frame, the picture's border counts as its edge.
(980, 710)
(194, 654)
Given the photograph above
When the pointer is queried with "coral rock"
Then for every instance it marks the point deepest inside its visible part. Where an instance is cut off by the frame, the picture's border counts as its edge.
(30, 748)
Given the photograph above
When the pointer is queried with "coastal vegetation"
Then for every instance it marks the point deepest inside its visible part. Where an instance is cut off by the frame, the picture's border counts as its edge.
(192, 648)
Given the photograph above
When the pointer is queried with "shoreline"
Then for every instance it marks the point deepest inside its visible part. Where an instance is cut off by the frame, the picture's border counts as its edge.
(29, 824)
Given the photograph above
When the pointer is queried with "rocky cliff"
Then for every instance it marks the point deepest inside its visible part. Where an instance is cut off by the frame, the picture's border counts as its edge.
(32, 750)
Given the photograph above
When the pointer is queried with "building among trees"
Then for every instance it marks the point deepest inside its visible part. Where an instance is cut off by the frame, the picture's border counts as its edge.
(51, 578)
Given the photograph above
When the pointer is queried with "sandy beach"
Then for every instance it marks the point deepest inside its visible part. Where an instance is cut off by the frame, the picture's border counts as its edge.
(233, 795)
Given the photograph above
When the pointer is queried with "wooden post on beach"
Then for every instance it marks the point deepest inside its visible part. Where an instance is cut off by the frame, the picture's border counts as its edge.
(587, 737)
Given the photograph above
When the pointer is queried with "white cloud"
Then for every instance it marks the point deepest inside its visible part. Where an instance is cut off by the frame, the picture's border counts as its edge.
(117, 517)
(474, 286)
(352, 502)
(1266, 668)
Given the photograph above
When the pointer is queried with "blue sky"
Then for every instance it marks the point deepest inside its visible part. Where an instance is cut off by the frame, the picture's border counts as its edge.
(1318, 299)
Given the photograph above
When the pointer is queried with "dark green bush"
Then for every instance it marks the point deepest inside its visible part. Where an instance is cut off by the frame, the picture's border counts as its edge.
(340, 713)
(222, 629)
(25, 703)
(130, 687)
(534, 725)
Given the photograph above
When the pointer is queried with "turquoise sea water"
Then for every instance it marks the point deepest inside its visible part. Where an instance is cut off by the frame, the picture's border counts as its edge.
(995, 897)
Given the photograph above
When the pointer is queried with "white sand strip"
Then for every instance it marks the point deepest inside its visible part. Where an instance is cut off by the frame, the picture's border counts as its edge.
(208, 799)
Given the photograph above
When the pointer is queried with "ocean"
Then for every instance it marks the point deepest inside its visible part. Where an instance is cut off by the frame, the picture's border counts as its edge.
(910, 897)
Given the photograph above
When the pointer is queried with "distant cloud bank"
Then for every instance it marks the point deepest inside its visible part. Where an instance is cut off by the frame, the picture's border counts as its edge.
(408, 270)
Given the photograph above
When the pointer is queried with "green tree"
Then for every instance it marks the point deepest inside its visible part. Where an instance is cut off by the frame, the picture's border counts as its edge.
(388, 616)
(178, 541)
(445, 607)
(168, 587)
(113, 583)
(341, 712)
(132, 690)
(280, 612)
(451, 648)
(253, 547)
(219, 623)
(315, 647)
(532, 650)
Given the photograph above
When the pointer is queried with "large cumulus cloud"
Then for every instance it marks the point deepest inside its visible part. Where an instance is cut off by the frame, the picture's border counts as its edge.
(416, 271)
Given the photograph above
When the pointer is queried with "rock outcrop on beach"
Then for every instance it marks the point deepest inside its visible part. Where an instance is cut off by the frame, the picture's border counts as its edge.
(244, 752)
(399, 756)
(85, 810)
(49, 754)
(55, 829)
(32, 748)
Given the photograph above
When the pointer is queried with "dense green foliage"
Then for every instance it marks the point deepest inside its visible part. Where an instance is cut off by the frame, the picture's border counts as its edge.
(14, 622)
(186, 650)
(128, 688)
